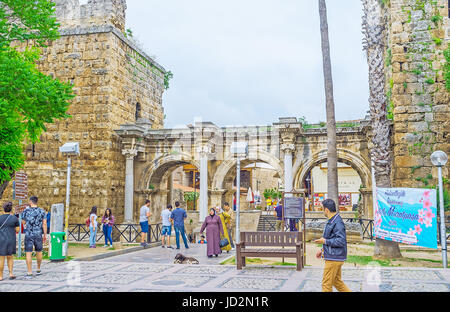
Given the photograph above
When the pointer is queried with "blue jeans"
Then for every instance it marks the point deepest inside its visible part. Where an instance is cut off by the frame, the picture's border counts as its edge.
(180, 230)
(107, 231)
(92, 236)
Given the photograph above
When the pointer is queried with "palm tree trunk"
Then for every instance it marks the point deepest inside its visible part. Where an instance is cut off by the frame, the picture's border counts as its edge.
(3, 187)
(374, 44)
(332, 174)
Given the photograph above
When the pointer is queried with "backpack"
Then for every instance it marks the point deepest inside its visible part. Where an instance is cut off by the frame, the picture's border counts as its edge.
(88, 222)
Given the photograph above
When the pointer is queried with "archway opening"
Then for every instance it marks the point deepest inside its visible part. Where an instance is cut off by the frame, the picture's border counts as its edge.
(315, 182)
(257, 178)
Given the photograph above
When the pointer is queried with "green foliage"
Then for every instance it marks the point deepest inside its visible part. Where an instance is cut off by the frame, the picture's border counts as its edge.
(447, 68)
(437, 41)
(430, 81)
(272, 193)
(167, 76)
(191, 196)
(28, 98)
(389, 58)
(27, 20)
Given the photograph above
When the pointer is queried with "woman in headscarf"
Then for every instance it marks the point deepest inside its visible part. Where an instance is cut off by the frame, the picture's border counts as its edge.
(225, 218)
(214, 228)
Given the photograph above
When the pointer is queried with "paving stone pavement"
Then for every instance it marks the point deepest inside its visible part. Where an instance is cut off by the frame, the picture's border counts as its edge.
(125, 273)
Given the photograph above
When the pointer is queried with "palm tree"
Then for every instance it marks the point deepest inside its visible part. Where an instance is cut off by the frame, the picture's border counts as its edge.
(374, 42)
(332, 174)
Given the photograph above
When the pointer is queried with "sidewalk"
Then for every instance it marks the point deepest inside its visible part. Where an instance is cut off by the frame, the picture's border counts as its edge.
(102, 276)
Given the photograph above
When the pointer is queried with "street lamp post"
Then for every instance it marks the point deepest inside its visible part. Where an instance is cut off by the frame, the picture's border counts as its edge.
(439, 159)
(240, 150)
(68, 149)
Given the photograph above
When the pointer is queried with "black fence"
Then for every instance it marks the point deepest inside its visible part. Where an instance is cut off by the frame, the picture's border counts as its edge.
(130, 233)
(269, 224)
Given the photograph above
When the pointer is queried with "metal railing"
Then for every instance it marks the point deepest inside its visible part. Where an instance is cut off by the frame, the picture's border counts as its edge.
(130, 233)
(268, 224)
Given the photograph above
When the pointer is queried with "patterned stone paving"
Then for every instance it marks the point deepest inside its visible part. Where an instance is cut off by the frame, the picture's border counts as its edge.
(126, 274)
(48, 277)
(209, 270)
(82, 289)
(316, 286)
(254, 283)
(19, 287)
(409, 286)
(114, 278)
(182, 280)
(144, 268)
(267, 272)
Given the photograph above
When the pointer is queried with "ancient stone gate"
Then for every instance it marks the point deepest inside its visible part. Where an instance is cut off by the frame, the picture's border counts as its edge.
(152, 155)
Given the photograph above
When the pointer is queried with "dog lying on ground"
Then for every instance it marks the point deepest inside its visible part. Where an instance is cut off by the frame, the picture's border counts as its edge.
(181, 259)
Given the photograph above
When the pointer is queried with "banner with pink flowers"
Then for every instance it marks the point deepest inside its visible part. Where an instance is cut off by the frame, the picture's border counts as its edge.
(407, 216)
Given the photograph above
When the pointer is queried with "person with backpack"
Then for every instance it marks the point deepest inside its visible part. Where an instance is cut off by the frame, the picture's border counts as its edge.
(108, 222)
(92, 227)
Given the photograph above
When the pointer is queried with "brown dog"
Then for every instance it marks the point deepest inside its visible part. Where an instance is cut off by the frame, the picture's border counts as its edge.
(181, 259)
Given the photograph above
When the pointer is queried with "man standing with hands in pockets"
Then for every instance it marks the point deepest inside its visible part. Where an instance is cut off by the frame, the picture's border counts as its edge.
(334, 249)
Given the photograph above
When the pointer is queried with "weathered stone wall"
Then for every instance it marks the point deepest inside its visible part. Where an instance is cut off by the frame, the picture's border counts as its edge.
(110, 76)
(418, 100)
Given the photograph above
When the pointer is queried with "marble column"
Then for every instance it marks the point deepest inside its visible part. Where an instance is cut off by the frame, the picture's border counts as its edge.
(288, 150)
(203, 151)
(129, 183)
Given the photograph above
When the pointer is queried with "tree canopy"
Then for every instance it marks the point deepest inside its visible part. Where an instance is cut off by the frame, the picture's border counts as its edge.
(29, 99)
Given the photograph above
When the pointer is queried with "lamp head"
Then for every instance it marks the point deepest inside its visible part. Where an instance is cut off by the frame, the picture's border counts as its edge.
(439, 158)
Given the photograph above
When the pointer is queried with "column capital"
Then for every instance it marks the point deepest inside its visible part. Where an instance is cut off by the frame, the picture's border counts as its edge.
(288, 148)
(204, 150)
(130, 153)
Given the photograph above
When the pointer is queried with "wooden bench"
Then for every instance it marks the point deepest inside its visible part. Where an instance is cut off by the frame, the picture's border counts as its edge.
(270, 239)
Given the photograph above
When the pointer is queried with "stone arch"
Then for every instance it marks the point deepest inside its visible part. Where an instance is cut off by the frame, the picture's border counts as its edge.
(158, 170)
(302, 167)
(361, 166)
(262, 156)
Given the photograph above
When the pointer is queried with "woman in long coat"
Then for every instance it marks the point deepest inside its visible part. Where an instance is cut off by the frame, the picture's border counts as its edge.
(224, 218)
(214, 229)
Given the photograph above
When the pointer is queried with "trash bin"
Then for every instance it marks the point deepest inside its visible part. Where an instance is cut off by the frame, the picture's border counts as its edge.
(57, 246)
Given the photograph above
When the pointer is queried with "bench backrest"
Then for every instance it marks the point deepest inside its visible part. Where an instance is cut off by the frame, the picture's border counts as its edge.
(271, 238)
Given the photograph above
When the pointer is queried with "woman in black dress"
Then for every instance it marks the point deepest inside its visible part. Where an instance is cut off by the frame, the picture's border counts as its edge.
(9, 225)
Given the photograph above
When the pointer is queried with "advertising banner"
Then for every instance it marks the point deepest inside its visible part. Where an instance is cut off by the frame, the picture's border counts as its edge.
(406, 216)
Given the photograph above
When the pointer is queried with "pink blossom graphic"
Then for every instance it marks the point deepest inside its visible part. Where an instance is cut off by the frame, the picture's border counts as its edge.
(421, 220)
(417, 229)
(426, 194)
(429, 214)
(427, 223)
(421, 213)
(411, 232)
(426, 204)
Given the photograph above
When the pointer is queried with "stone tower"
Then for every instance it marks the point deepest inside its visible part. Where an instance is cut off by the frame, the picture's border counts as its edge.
(115, 83)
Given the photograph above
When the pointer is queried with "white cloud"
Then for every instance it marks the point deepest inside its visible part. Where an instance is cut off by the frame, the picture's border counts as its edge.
(250, 62)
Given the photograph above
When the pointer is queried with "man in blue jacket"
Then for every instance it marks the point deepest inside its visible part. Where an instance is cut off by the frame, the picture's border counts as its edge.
(334, 248)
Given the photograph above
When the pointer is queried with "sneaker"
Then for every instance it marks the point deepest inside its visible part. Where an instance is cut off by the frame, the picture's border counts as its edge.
(105, 245)
(38, 272)
(163, 246)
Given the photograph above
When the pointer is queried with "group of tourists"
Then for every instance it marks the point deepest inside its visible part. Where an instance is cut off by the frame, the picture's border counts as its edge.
(217, 224)
(107, 226)
(34, 220)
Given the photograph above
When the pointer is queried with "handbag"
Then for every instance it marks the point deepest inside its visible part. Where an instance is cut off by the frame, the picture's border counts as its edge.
(223, 242)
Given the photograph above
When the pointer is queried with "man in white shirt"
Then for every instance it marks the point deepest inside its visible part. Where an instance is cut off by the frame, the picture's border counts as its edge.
(166, 226)
(143, 221)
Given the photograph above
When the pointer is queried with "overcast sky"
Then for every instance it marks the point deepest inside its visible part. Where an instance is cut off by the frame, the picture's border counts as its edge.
(248, 62)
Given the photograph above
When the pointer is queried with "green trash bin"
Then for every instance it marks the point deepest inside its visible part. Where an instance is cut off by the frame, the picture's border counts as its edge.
(57, 246)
